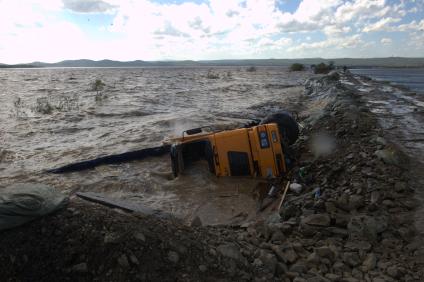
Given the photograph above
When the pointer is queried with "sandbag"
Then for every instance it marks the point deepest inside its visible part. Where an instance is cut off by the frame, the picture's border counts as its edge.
(23, 202)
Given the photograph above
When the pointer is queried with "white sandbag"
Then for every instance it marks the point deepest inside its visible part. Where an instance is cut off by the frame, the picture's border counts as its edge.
(24, 202)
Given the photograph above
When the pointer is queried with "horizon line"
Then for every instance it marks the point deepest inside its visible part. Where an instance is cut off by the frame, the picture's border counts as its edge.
(212, 60)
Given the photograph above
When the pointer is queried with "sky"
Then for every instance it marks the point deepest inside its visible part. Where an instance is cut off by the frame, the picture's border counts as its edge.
(56, 30)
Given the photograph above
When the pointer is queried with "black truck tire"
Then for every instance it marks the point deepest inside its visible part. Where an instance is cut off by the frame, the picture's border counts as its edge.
(286, 124)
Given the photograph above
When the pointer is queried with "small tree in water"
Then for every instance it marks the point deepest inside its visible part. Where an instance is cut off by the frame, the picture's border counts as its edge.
(43, 106)
(251, 69)
(297, 67)
(323, 68)
(98, 86)
(18, 104)
(212, 75)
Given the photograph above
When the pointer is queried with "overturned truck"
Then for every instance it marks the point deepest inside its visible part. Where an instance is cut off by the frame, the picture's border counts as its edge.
(259, 149)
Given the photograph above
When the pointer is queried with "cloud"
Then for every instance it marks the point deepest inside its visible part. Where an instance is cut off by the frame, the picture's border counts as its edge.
(87, 6)
(155, 30)
(386, 41)
(274, 44)
(335, 30)
(350, 42)
(417, 41)
(383, 24)
(362, 9)
(412, 26)
(311, 15)
(48, 42)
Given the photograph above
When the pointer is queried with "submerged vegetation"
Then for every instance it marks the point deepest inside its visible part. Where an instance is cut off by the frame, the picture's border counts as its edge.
(46, 105)
(251, 69)
(229, 75)
(212, 75)
(297, 67)
(18, 105)
(323, 68)
(98, 86)
(43, 106)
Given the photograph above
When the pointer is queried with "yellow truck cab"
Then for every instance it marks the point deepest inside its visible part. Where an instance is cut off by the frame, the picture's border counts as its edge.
(255, 151)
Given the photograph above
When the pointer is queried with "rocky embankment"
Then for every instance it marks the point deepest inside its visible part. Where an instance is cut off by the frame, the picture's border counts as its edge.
(351, 221)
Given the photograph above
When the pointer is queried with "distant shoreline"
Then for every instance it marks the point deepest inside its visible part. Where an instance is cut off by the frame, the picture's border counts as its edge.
(194, 66)
(391, 62)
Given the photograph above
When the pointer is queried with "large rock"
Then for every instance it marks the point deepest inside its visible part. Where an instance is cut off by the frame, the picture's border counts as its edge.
(81, 267)
(326, 252)
(286, 253)
(172, 256)
(369, 263)
(356, 202)
(330, 207)
(351, 258)
(380, 140)
(341, 219)
(366, 227)
(358, 245)
(231, 251)
(339, 267)
(400, 186)
(269, 261)
(123, 261)
(343, 202)
(298, 268)
(313, 259)
(196, 222)
(391, 154)
(393, 271)
(322, 220)
(333, 277)
(139, 236)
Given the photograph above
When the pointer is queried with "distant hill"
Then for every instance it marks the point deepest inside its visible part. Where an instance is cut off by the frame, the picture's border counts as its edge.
(350, 62)
(4, 66)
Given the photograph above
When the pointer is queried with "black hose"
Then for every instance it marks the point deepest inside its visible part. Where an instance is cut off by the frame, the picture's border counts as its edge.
(114, 159)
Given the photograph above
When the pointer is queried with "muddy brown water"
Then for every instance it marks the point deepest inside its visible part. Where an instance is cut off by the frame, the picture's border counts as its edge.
(52, 117)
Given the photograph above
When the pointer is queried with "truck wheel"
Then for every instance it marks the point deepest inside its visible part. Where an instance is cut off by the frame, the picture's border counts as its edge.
(286, 124)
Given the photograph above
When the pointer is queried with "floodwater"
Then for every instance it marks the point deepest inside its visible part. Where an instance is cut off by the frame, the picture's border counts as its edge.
(52, 117)
(412, 78)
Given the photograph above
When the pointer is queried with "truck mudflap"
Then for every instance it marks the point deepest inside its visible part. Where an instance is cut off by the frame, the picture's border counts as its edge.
(177, 161)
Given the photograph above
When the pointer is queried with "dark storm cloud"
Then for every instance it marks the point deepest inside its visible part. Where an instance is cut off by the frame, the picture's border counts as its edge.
(87, 6)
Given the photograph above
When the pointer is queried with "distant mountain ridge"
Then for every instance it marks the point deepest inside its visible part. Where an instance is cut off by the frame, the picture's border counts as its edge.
(350, 62)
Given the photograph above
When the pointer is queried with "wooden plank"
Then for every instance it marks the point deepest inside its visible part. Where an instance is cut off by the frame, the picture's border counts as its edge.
(283, 197)
(121, 204)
